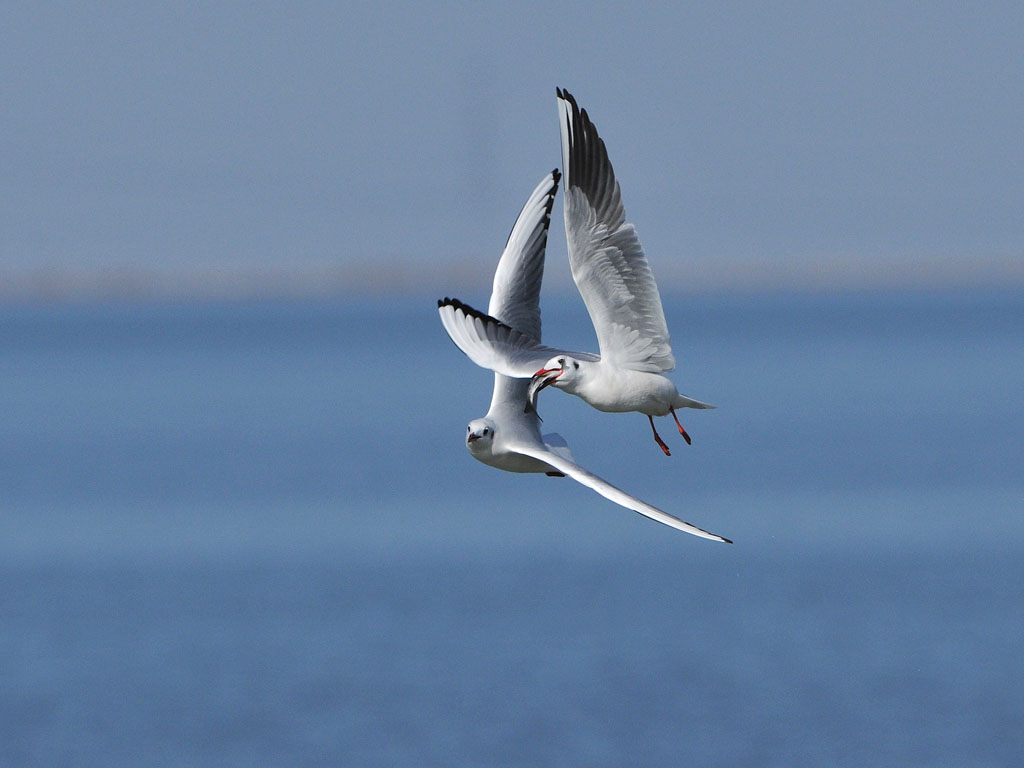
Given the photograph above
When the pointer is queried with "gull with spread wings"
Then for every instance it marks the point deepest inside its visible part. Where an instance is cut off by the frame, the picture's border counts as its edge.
(613, 277)
(509, 437)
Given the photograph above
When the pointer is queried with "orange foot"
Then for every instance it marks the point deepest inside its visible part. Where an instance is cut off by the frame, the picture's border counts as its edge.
(657, 437)
(682, 431)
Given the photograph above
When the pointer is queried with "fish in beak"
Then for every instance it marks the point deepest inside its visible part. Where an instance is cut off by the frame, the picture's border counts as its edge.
(545, 377)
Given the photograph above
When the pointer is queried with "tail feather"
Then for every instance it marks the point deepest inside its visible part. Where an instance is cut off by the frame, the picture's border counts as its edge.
(688, 402)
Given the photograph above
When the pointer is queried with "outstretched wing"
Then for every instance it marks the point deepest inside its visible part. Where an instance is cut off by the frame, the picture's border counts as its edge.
(492, 344)
(607, 261)
(515, 295)
(609, 491)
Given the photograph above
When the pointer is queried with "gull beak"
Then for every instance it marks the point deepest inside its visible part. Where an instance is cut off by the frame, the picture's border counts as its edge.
(543, 378)
(472, 436)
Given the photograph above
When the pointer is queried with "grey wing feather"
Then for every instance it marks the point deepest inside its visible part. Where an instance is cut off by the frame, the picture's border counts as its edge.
(515, 295)
(608, 263)
(492, 344)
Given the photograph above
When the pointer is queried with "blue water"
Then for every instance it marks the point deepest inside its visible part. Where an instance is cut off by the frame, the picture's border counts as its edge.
(249, 534)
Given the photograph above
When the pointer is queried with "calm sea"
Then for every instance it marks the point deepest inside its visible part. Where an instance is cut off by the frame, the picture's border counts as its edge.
(249, 534)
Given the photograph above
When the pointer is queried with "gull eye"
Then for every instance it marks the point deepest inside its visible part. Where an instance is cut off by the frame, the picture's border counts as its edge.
(561, 361)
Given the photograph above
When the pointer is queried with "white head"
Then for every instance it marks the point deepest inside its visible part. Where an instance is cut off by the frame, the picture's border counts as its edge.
(480, 436)
(563, 371)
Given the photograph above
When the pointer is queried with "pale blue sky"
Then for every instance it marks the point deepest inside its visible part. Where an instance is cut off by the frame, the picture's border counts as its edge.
(367, 148)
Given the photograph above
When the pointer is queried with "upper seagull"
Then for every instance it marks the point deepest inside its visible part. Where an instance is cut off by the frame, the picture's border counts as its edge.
(617, 286)
(508, 437)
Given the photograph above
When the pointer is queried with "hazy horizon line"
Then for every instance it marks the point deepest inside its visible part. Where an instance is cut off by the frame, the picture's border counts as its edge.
(465, 278)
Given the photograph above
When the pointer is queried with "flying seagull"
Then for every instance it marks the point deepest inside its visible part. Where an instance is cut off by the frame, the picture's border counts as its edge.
(617, 286)
(509, 437)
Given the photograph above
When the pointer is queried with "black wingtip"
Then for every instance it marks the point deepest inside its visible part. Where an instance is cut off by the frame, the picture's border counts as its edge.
(461, 306)
(727, 541)
(555, 177)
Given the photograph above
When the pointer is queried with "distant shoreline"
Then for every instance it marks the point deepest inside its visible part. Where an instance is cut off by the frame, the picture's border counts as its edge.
(471, 279)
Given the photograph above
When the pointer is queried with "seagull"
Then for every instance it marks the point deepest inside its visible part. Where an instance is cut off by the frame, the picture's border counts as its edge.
(613, 277)
(509, 437)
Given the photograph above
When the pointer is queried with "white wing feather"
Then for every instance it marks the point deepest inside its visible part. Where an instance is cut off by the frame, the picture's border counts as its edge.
(492, 344)
(515, 295)
(609, 491)
(608, 263)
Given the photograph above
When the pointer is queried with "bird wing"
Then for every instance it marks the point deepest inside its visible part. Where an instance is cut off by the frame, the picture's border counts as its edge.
(515, 294)
(492, 344)
(555, 442)
(607, 261)
(609, 491)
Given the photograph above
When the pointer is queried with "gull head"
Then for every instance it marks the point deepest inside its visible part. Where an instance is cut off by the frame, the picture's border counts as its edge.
(562, 371)
(480, 435)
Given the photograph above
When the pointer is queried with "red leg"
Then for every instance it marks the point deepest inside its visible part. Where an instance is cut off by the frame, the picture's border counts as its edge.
(657, 437)
(682, 431)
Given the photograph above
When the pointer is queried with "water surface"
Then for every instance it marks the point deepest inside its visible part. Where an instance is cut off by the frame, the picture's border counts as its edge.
(249, 534)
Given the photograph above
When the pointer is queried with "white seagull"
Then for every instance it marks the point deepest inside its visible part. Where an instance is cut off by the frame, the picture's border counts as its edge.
(615, 281)
(509, 437)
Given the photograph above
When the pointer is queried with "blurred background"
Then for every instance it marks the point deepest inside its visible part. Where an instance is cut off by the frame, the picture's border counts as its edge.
(238, 524)
(239, 148)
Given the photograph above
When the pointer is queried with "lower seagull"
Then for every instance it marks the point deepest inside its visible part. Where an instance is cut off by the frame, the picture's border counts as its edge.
(509, 437)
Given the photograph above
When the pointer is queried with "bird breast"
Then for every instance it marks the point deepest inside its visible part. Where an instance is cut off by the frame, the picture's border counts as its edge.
(620, 390)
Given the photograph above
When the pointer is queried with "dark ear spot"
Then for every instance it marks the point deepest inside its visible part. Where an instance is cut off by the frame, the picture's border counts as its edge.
(575, 364)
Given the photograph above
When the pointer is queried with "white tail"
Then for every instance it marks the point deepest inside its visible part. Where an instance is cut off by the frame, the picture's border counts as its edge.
(682, 401)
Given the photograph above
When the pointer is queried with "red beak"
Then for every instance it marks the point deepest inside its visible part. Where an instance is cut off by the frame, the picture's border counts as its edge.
(536, 385)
